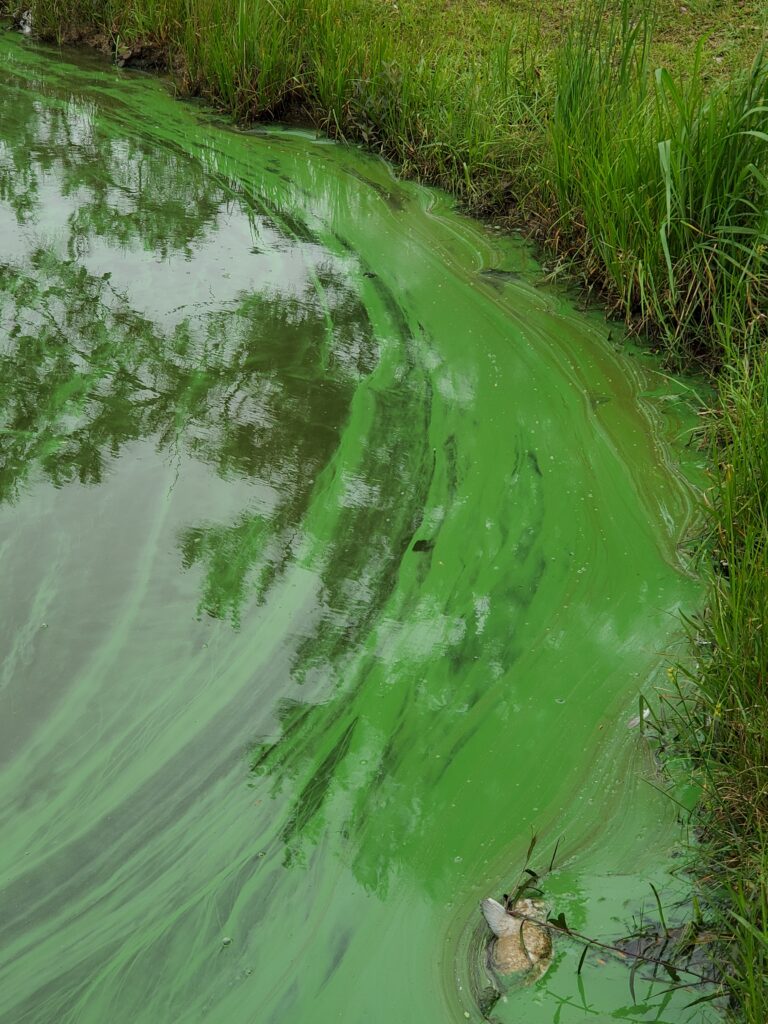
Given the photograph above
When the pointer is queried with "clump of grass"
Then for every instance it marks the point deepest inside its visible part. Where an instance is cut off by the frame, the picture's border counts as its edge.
(662, 186)
(723, 719)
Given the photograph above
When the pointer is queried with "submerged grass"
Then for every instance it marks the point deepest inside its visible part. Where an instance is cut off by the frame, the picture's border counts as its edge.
(651, 185)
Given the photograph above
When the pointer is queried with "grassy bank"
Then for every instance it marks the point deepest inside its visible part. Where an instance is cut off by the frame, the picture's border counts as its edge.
(651, 186)
(724, 729)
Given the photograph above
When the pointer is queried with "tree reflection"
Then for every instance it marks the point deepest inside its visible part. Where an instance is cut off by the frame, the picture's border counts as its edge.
(259, 389)
(254, 393)
(122, 189)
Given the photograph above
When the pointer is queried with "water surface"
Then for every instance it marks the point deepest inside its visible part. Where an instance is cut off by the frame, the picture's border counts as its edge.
(335, 553)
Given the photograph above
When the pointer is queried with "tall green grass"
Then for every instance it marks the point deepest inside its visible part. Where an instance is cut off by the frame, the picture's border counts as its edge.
(662, 186)
(654, 189)
(724, 728)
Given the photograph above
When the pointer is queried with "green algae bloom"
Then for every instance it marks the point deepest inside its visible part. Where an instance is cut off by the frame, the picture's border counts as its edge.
(333, 568)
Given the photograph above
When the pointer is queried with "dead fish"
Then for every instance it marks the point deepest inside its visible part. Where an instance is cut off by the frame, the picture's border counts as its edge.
(521, 946)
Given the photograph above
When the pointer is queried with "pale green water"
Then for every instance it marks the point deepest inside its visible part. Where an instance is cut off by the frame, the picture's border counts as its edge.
(287, 480)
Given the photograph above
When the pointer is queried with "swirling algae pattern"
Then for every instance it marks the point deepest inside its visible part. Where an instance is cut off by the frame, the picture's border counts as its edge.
(335, 552)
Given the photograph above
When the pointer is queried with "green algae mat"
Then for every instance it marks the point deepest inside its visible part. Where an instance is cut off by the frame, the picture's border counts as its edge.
(335, 553)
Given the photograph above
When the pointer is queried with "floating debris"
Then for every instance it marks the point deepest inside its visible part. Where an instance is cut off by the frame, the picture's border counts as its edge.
(521, 944)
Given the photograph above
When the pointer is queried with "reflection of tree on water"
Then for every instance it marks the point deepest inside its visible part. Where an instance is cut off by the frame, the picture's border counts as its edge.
(257, 394)
(125, 191)
(385, 738)
(83, 375)
(260, 391)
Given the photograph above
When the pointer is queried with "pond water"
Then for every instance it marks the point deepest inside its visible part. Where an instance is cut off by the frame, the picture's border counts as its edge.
(335, 553)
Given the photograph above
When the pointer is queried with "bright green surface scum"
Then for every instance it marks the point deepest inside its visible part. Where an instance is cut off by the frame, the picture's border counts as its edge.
(332, 567)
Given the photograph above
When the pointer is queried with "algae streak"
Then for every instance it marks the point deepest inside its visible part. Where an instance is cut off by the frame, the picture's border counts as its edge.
(332, 568)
